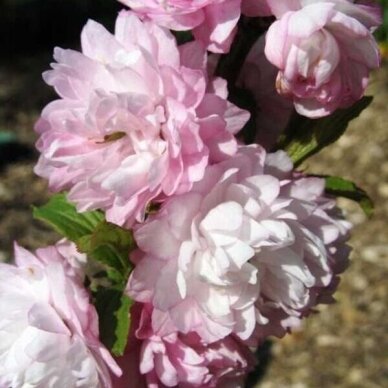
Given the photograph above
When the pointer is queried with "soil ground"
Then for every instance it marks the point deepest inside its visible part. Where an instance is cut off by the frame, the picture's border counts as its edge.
(346, 344)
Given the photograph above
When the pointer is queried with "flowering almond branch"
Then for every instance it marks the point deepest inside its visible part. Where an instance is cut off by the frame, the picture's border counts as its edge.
(187, 239)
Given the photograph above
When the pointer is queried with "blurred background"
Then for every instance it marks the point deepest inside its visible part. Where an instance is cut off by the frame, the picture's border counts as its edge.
(344, 345)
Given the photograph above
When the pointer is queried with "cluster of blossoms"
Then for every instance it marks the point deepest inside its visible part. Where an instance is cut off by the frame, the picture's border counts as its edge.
(238, 245)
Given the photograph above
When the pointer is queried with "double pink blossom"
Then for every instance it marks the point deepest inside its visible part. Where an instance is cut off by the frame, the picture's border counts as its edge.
(252, 248)
(180, 360)
(49, 329)
(138, 119)
(324, 51)
(213, 22)
(232, 244)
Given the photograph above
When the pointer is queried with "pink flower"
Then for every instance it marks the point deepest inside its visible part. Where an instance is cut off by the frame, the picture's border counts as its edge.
(213, 21)
(65, 253)
(251, 248)
(324, 51)
(137, 119)
(273, 111)
(179, 360)
(49, 329)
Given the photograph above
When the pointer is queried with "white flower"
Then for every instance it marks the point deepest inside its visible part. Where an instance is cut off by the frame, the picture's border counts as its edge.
(48, 328)
(251, 246)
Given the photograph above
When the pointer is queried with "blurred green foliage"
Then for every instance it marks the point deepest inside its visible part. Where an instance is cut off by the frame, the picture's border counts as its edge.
(382, 32)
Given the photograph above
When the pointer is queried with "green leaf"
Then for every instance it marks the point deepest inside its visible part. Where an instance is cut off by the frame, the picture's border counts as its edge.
(113, 308)
(64, 218)
(305, 137)
(110, 245)
(340, 187)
